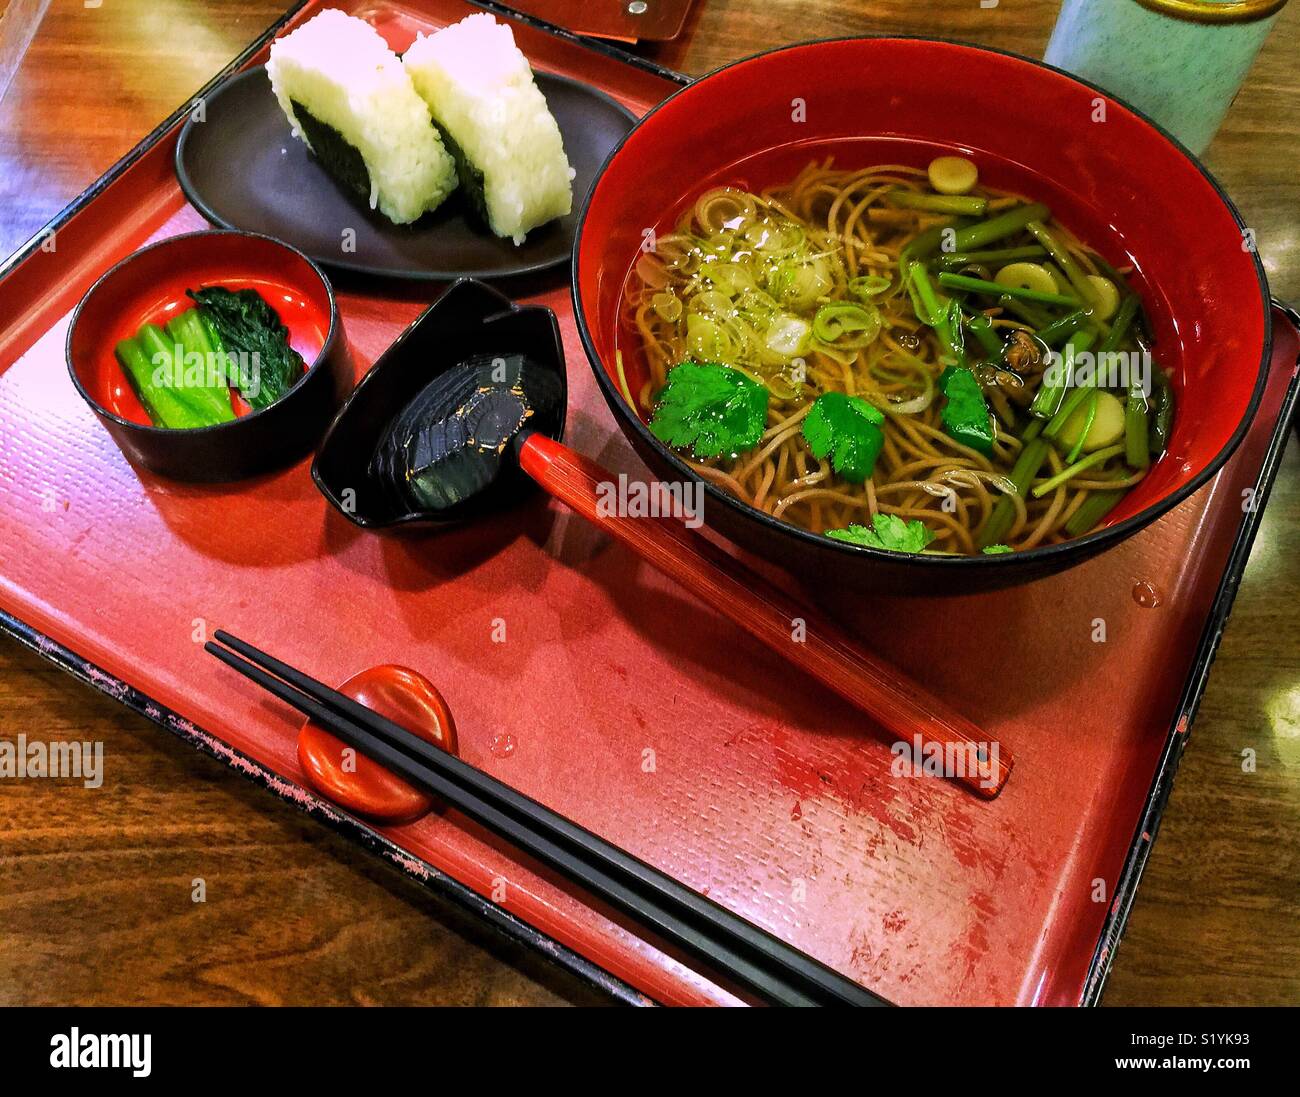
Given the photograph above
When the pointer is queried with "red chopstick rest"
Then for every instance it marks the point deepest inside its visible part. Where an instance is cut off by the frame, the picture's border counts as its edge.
(352, 780)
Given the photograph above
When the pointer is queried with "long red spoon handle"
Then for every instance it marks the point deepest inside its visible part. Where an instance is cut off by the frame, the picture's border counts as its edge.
(808, 639)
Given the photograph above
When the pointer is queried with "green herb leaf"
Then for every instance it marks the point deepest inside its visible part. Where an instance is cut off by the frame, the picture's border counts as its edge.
(965, 415)
(264, 366)
(848, 429)
(710, 409)
(888, 531)
(995, 550)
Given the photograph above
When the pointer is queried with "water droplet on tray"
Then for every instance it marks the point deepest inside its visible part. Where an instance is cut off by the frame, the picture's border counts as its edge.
(1146, 595)
(503, 744)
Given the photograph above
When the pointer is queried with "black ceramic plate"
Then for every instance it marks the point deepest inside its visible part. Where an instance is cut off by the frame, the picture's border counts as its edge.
(241, 169)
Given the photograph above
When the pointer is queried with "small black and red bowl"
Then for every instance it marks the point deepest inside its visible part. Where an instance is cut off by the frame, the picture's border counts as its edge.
(149, 287)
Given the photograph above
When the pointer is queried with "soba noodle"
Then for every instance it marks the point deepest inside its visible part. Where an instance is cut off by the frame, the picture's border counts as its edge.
(744, 280)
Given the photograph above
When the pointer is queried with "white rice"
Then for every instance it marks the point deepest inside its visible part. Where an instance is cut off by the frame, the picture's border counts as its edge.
(481, 92)
(341, 70)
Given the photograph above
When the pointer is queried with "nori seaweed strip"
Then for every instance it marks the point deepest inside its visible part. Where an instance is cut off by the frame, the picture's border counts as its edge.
(470, 176)
(337, 156)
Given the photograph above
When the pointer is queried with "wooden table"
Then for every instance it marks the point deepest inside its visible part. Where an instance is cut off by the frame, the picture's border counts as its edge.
(96, 890)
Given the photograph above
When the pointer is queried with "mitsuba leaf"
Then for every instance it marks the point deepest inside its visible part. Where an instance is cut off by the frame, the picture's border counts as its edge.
(887, 531)
(710, 409)
(965, 413)
(847, 429)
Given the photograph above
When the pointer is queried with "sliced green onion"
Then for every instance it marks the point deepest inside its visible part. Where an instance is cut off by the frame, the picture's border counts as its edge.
(846, 325)
(707, 340)
(788, 335)
(867, 286)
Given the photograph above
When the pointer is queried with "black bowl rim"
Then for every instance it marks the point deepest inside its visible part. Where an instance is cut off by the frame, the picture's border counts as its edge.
(407, 274)
(1056, 553)
(508, 307)
(327, 347)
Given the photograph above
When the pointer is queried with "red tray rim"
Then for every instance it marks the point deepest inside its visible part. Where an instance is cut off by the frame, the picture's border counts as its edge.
(443, 884)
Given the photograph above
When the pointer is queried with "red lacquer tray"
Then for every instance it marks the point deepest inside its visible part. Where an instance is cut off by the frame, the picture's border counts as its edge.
(765, 791)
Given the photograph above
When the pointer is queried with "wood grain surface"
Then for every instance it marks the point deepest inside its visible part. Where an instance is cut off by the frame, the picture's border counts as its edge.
(97, 886)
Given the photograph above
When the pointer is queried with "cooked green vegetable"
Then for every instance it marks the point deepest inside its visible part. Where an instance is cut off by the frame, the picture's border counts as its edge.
(942, 315)
(887, 531)
(1048, 399)
(200, 368)
(995, 550)
(1122, 321)
(847, 429)
(981, 327)
(999, 227)
(1071, 471)
(960, 259)
(710, 409)
(262, 363)
(1032, 455)
(927, 243)
(965, 414)
(1088, 293)
(1092, 510)
(971, 205)
(162, 403)
(996, 289)
(1058, 330)
(1137, 442)
(1162, 412)
(1032, 315)
(187, 383)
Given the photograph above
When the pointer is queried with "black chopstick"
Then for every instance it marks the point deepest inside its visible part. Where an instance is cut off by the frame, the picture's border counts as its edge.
(483, 812)
(751, 956)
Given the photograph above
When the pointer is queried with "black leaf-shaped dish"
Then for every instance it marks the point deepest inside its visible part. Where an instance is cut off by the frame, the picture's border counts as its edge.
(470, 321)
